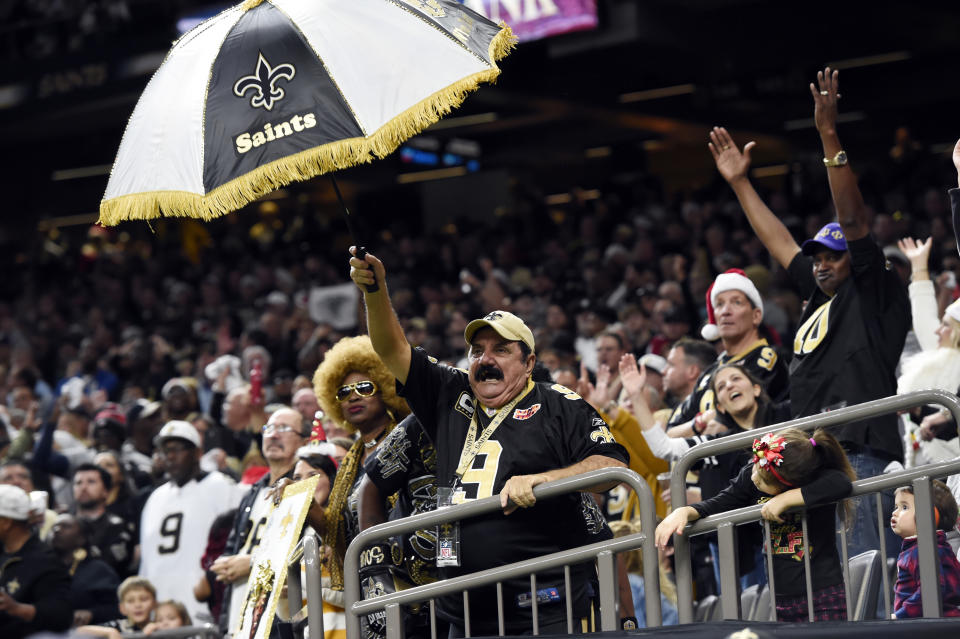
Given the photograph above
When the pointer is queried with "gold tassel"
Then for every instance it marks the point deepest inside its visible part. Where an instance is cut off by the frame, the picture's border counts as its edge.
(503, 43)
(307, 164)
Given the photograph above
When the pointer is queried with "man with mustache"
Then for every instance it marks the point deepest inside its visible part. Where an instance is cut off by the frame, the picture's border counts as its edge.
(498, 432)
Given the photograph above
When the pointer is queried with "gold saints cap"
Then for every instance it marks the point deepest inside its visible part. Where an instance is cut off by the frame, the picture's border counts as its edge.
(507, 325)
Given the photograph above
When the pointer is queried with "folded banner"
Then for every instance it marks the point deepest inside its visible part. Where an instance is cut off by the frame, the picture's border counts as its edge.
(334, 305)
(272, 91)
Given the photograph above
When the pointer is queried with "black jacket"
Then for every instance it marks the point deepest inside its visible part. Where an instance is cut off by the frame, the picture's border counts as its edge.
(35, 575)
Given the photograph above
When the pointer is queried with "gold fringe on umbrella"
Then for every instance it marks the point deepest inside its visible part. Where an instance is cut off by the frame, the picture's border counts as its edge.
(332, 156)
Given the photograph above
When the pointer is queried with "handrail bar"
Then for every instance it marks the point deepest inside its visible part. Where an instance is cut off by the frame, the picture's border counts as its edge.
(721, 445)
(866, 486)
(354, 606)
(205, 630)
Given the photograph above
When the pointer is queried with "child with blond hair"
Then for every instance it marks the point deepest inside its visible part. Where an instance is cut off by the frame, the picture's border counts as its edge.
(137, 598)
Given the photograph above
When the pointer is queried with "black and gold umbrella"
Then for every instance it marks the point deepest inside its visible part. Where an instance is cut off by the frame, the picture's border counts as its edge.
(273, 91)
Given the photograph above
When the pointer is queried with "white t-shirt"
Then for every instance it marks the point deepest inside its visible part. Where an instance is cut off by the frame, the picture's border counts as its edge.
(174, 528)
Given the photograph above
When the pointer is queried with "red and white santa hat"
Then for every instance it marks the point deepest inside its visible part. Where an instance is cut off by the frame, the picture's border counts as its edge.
(733, 279)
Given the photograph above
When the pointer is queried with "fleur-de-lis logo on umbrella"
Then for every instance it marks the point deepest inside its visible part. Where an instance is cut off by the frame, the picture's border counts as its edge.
(263, 83)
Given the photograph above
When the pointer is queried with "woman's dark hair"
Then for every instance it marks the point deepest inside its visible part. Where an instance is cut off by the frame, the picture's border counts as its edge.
(763, 400)
(323, 463)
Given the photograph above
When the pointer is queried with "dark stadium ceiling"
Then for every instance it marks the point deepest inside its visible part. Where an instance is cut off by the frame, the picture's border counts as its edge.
(641, 90)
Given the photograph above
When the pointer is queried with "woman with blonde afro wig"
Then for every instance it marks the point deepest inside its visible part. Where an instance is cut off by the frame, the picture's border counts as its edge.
(356, 390)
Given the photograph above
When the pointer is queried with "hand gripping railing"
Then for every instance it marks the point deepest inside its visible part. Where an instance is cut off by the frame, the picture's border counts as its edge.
(929, 565)
(603, 552)
(311, 615)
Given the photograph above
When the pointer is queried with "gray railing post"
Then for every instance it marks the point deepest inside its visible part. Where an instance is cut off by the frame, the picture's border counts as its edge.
(729, 584)
(928, 558)
(607, 574)
(678, 476)
(311, 558)
(354, 606)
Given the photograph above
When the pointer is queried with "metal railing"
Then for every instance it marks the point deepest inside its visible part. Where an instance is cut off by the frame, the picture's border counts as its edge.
(206, 630)
(307, 551)
(602, 552)
(724, 523)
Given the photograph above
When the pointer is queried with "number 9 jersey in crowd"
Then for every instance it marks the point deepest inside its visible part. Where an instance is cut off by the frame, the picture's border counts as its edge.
(760, 359)
(174, 527)
(549, 427)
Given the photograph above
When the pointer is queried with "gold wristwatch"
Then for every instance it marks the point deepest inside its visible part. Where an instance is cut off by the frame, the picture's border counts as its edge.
(840, 159)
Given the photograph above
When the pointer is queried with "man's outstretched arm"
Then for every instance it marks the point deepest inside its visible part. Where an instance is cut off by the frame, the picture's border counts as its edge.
(851, 211)
(385, 331)
(734, 166)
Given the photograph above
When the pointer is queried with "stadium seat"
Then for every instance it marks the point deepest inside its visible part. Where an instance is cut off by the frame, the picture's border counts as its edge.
(748, 600)
(706, 607)
(761, 610)
(865, 579)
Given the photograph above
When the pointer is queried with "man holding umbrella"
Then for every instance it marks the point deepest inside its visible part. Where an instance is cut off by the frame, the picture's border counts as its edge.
(496, 431)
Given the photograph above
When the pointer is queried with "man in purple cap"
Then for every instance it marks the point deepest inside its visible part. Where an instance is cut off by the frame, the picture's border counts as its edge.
(857, 315)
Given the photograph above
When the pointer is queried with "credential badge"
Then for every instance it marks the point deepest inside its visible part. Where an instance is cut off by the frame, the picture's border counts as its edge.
(263, 83)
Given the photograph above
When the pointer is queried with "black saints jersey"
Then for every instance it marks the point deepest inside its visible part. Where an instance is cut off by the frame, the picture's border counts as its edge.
(405, 464)
(760, 359)
(549, 427)
(847, 347)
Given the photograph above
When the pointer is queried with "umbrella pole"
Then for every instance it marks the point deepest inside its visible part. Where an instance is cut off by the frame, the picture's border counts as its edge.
(361, 250)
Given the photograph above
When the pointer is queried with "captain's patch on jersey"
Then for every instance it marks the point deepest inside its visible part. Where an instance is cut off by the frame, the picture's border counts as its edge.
(465, 404)
(526, 413)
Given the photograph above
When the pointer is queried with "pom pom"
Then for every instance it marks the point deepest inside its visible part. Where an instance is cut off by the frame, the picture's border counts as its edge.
(710, 332)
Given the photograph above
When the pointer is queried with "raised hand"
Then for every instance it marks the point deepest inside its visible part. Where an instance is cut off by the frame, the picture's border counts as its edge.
(731, 162)
(825, 95)
(956, 159)
(632, 378)
(367, 271)
(603, 383)
(916, 251)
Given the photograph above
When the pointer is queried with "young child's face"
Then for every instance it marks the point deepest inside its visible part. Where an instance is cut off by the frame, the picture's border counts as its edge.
(167, 617)
(137, 605)
(903, 522)
(762, 485)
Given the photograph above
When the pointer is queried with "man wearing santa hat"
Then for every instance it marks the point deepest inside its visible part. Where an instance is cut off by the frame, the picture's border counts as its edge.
(734, 315)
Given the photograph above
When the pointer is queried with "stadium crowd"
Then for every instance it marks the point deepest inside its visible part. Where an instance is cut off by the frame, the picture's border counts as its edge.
(157, 385)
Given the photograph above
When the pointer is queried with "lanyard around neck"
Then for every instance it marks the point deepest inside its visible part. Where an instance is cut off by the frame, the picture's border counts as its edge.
(472, 444)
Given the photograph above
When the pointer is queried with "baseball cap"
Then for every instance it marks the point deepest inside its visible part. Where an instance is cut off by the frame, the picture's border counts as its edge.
(830, 236)
(183, 383)
(110, 417)
(506, 324)
(178, 429)
(14, 502)
(654, 362)
(142, 409)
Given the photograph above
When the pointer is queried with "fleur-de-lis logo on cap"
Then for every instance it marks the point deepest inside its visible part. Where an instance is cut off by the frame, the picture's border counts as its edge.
(263, 83)
(493, 316)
